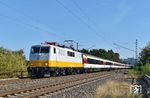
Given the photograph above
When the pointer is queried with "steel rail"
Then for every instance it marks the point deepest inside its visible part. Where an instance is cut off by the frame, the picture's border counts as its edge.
(62, 86)
(33, 88)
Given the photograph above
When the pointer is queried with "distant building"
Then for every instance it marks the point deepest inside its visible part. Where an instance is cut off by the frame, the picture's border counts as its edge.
(131, 61)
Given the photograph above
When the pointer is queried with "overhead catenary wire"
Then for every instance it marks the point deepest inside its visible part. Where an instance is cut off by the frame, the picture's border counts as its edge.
(31, 19)
(85, 15)
(27, 16)
(99, 35)
(124, 47)
(76, 16)
(89, 19)
(27, 24)
(83, 12)
(37, 21)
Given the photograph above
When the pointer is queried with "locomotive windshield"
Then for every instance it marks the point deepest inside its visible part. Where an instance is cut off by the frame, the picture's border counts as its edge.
(43, 49)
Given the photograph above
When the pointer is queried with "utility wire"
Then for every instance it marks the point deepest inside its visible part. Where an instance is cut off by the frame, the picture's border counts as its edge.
(26, 24)
(77, 17)
(82, 21)
(29, 17)
(83, 12)
(18, 21)
(85, 15)
(90, 19)
(37, 21)
(124, 47)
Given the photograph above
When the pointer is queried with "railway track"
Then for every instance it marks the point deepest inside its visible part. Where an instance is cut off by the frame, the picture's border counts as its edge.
(6, 82)
(147, 80)
(9, 85)
(58, 84)
(17, 81)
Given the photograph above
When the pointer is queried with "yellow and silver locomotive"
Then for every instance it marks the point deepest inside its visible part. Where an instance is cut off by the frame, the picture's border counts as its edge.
(51, 58)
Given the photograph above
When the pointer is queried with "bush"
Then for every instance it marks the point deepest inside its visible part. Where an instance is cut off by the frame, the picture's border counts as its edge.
(11, 61)
(146, 69)
(140, 70)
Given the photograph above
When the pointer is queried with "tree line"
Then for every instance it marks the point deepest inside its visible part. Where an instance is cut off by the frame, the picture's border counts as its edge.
(102, 53)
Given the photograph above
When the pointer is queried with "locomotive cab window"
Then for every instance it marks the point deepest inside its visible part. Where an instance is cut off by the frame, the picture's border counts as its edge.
(35, 50)
(44, 50)
(40, 50)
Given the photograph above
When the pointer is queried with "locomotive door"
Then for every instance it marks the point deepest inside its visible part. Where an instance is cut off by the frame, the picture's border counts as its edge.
(55, 61)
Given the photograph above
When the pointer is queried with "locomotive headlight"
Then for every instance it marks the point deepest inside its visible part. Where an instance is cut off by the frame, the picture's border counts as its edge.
(45, 63)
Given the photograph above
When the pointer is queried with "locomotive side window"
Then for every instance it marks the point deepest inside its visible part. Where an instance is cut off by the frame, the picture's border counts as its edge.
(70, 54)
(54, 50)
(35, 50)
(44, 50)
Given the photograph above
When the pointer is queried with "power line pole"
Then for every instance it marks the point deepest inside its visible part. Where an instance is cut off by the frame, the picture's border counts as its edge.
(136, 50)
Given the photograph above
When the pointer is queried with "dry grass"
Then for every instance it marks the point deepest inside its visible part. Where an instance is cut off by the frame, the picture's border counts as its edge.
(114, 89)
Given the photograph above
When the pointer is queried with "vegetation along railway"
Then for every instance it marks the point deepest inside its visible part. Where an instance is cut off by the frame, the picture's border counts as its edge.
(51, 58)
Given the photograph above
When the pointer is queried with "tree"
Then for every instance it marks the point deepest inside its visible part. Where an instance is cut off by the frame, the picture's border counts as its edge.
(95, 52)
(102, 53)
(110, 54)
(145, 55)
(84, 51)
(116, 57)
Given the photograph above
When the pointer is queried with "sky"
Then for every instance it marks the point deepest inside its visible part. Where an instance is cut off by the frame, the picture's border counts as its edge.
(91, 23)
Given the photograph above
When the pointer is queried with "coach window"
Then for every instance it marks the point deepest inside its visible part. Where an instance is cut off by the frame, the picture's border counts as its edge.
(54, 50)
(101, 62)
(70, 54)
(108, 63)
(93, 61)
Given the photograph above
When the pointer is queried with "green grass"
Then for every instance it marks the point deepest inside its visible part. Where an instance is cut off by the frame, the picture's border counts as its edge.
(138, 71)
(146, 69)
